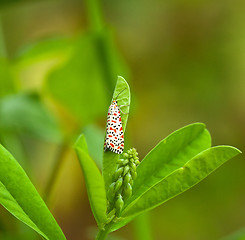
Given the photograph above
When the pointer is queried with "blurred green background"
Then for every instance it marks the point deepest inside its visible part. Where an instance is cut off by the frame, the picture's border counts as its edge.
(185, 62)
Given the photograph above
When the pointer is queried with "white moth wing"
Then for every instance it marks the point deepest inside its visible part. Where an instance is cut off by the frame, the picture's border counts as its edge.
(114, 140)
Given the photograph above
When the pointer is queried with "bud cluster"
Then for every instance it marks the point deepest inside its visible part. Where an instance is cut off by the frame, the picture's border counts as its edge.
(121, 189)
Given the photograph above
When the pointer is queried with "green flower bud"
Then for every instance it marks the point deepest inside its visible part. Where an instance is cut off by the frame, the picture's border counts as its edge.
(118, 172)
(137, 162)
(118, 184)
(125, 162)
(119, 205)
(111, 192)
(134, 174)
(126, 169)
(125, 155)
(131, 182)
(120, 161)
(127, 191)
(127, 178)
(133, 166)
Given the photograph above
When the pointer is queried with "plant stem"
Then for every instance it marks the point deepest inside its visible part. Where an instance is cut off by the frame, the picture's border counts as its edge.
(101, 40)
(54, 173)
(94, 15)
(142, 227)
(102, 234)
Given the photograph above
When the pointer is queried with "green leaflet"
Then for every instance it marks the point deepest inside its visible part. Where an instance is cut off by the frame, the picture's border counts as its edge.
(94, 181)
(19, 197)
(183, 178)
(110, 158)
(170, 154)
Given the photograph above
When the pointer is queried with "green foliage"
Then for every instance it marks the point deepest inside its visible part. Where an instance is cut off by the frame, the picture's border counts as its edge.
(84, 75)
(177, 163)
(183, 178)
(79, 77)
(170, 154)
(81, 70)
(94, 182)
(26, 114)
(19, 197)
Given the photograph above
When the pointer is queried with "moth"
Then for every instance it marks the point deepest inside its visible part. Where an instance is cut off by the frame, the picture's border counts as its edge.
(114, 140)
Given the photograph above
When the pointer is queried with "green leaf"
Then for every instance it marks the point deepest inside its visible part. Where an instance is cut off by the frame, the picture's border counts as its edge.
(86, 75)
(41, 57)
(26, 114)
(94, 181)
(19, 197)
(59, 48)
(170, 154)
(183, 178)
(122, 93)
(78, 83)
(95, 138)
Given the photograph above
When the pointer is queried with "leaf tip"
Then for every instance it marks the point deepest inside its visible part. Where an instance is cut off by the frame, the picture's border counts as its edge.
(233, 150)
(123, 81)
(81, 143)
(238, 151)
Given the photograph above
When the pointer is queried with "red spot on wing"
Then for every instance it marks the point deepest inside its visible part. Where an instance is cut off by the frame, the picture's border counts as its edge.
(120, 129)
(120, 119)
(121, 136)
(109, 135)
(112, 145)
(115, 130)
(113, 121)
(111, 128)
(114, 114)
